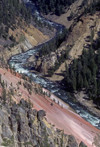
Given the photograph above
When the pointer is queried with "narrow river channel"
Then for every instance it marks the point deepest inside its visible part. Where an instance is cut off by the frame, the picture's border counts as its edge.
(18, 60)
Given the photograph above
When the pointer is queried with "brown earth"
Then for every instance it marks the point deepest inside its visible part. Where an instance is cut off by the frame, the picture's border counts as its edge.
(81, 29)
(63, 117)
(84, 100)
(33, 35)
(63, 19)
(27, 38)
(79, 39)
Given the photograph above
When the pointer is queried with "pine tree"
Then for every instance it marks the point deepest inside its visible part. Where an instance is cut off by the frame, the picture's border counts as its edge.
(3, 84)
(94, 89)
(74, 84)
(85, 83)
(4, 96)
(0, 78)
(66, 70)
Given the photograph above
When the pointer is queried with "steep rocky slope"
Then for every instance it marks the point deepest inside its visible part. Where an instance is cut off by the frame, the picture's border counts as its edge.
(22, 126)
(78, 39)
(81, 26)
(76, 8)
(59, 114)
(26, 38)
(44, 63)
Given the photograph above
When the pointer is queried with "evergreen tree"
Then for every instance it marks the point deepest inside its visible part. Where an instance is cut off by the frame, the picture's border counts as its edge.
(55, 6)
(0, 78)
(10, 10)
(4, 96)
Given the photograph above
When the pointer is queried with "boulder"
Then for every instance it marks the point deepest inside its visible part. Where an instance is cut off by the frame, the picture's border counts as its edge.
(72, 142)
(24, 103)
(41, 114)
(34, 112)
(82, 144)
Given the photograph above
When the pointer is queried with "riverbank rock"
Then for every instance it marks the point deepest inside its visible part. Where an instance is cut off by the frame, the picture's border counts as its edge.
(72, 142)
(41, 114)
(44, 63)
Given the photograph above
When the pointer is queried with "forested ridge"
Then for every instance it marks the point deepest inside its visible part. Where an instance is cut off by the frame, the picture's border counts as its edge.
(12, 12)
(53, 45)
(91, 7)
(56, 6)
(84, 73)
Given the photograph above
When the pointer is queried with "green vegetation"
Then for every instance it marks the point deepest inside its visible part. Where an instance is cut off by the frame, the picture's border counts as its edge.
(56, 6)
(61, 140)
(84, 72)
(45, 139)
(27, 143)
(96, 141)
(4, 96)
(61, 59)
(9, 142)
(87, 7)
(52, 45)
(22, 38)
(91, 7)
(12, 12)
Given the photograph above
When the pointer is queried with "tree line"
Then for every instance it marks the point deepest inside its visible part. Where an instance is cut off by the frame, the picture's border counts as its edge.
(84, 72)
(60, 59)
(52, 45)
(11, 14)
(91, 7)
(56, 6)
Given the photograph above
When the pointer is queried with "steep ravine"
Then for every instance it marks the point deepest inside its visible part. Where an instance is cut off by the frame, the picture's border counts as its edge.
(21, 59)
(22, 126)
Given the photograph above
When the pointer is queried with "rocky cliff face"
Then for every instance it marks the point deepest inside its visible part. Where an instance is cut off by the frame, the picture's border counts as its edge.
(79, 39)
(44, 63)
(22, 126)
(27, 38)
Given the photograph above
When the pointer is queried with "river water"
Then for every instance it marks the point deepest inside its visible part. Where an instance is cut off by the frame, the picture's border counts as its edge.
(18, 60)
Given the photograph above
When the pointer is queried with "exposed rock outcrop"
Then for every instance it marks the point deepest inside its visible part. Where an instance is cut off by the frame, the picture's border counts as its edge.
(27, 38)
(21, 126)
(44, 63)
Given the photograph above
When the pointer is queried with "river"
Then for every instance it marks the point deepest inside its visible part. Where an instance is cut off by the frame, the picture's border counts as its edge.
(18, 60)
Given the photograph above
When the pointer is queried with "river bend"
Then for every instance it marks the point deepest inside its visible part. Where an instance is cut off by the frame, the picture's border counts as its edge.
(18, 60)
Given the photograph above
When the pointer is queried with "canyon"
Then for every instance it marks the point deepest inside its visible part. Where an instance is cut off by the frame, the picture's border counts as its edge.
(48, 112)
